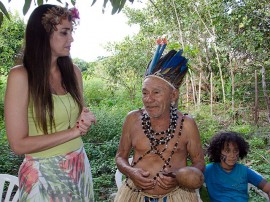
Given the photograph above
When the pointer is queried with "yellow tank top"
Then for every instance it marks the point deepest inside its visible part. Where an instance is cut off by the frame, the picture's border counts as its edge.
(65, 109)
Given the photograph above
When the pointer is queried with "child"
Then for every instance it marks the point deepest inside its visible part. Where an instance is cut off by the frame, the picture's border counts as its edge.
(227, 180)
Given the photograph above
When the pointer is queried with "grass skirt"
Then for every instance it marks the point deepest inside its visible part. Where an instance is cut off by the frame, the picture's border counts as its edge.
(124, 194)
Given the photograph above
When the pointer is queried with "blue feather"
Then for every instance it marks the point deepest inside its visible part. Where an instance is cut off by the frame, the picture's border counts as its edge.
(175, 60)
(154, 60)
(161, 50)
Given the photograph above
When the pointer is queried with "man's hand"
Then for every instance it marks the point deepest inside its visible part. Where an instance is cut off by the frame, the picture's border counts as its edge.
(141, 179)
(167, 180)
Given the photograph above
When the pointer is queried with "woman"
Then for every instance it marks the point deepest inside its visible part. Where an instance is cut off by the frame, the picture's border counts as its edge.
(45, 115)
(225, 178)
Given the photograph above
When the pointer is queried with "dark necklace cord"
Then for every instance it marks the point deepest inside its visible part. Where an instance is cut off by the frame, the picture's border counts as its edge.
(154, 141)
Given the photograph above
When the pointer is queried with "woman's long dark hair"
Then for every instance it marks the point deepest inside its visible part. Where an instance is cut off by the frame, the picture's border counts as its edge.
(37, 61)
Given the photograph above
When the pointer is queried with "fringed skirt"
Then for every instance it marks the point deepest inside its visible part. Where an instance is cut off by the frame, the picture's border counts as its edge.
(125, 194)
(61, 178)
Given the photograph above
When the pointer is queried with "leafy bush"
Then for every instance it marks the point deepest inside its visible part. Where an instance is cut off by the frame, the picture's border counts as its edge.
(9, 162)
(95, 91)
(109, 124)
(102, 140)
(101, 144)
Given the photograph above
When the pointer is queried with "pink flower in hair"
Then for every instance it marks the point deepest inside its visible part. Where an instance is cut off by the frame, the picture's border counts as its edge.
(74, 13)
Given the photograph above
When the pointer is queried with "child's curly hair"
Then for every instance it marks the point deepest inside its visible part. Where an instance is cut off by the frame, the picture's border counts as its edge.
(218, 141)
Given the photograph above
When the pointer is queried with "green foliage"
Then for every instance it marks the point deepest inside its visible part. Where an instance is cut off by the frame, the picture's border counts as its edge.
(101, 144)
(95, 91)
(109, 124)
(83, 65)
(123, 70)
(99, 91)
(219, 37)
(242, 128)
(9, 162)
(3, 11)
(3, 81)
(207, 125)
(117, 6)
(10, 46)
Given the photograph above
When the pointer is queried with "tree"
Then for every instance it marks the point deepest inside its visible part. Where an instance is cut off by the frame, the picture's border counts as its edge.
(117, 6)
(215, 37)
(11, 40)
(83, 65)
(124, 69)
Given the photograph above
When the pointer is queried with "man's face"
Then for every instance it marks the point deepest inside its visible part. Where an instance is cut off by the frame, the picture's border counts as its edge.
(157, 96)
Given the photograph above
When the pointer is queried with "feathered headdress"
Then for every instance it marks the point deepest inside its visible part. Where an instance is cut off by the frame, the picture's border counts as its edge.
(172, 67)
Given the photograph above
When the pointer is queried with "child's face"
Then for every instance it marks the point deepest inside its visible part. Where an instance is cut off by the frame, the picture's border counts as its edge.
(229, 155)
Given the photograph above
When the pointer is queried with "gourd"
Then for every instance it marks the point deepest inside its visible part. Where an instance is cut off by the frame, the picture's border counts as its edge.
(189, 177)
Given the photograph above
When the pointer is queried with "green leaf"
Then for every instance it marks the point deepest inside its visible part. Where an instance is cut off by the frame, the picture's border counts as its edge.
(123, 2)
(73, 2)
(4, 10)
(26, 6)
(114, 10)
(115, 5)
(94, 1)
(104, 5)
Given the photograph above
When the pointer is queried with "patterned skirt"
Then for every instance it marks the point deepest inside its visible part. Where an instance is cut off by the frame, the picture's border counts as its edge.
(60, 178)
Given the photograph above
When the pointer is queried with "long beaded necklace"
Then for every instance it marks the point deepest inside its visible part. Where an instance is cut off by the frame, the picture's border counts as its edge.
(68, 114)
(154, 142)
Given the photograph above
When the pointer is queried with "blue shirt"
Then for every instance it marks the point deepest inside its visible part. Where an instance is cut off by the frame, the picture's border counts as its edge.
(231, 186)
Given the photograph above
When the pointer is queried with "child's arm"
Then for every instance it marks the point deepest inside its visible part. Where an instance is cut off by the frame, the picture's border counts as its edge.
(265, 186)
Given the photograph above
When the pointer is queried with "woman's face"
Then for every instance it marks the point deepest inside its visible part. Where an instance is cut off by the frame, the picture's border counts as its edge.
(61, 39)
(229, 155)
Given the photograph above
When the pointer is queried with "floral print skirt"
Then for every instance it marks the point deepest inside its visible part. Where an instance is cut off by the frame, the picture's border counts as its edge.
(61, 178)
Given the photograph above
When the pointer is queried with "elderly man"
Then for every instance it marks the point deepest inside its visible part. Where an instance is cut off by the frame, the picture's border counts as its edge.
(160, 137)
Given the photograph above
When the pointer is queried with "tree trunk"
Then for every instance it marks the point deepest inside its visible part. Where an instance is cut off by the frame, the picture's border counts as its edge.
(211, 94)
(232, 76)
(179, 25)
(199, 94)
(256, 109)
(265, 93)
(193, 88)
(187, 92)
(214, 37)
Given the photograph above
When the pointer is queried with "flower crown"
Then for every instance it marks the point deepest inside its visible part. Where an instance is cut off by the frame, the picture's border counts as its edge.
(171, 68)
(55, 15)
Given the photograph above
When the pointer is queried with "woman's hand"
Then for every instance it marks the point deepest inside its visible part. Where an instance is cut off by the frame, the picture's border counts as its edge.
(85, 120)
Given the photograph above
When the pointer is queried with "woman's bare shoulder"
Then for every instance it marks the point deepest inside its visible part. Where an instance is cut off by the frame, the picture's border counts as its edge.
(77, 70)
(18, 72)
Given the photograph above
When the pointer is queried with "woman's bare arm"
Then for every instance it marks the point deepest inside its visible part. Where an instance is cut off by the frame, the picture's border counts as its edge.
(16, 118)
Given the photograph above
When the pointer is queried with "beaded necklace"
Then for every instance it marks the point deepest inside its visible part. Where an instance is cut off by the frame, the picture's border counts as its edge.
(154, 141)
